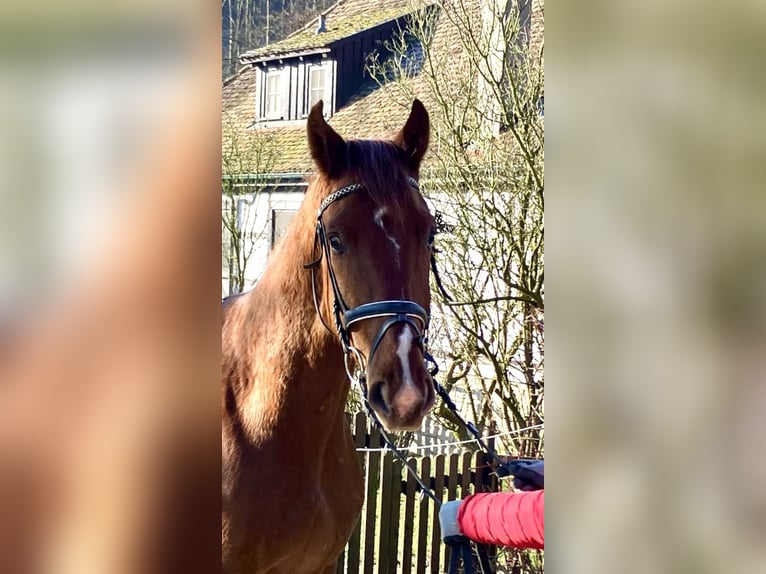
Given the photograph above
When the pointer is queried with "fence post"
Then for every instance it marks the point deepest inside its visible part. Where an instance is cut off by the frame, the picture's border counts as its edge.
(385, 518)
(452, 480)
(371, 500)
(354, 543)
(409, 520)
(436, 541)
(425, 505)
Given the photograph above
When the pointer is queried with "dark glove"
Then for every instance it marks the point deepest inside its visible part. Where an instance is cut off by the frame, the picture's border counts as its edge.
(528, 474)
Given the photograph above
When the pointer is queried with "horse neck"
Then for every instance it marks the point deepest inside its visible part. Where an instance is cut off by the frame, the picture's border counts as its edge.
(298, 382)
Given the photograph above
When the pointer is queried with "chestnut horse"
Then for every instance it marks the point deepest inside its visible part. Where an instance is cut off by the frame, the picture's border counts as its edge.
(292, 488)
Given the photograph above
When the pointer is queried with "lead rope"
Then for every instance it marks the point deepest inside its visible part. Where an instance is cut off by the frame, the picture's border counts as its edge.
(361, 380)
(463, 547)
(488, 450)
(460, 548)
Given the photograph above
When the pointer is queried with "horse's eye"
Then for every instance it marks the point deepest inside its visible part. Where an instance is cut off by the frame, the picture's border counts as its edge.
(336, 244)
(431, 239)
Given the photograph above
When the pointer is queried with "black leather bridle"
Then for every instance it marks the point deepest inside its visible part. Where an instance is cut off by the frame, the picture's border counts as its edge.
(396, 310)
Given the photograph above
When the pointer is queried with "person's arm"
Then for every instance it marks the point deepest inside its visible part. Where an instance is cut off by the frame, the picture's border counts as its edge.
(515, 519)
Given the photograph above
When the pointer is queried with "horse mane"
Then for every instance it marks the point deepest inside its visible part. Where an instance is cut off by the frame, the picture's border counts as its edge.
(373, 163)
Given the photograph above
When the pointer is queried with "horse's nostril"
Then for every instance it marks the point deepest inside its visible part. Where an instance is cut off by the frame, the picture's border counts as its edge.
(376, 397)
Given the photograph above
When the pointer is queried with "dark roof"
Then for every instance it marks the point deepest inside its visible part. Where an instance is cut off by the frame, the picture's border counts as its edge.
(343, 20)
(372, 112)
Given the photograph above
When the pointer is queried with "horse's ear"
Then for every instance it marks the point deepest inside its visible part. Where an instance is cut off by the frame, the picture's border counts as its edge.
(327, 148)
(413, 138)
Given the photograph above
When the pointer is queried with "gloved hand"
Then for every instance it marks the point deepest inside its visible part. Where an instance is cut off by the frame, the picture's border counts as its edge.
(448, 521)
(528, 474)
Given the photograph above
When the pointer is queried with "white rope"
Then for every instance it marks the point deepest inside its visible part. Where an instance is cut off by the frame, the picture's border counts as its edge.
(416, 448)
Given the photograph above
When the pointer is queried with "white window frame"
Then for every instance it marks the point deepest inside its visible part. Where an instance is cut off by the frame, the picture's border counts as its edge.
(278, 112)
(321, 71)
(325, 69)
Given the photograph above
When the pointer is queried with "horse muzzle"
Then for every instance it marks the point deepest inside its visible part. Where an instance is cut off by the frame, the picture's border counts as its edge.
(401, 389)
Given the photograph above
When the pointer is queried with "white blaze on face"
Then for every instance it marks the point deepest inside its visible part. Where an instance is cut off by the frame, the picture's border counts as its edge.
(379, 221)
(403, 352)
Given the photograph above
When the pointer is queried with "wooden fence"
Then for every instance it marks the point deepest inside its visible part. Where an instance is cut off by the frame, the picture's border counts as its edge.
(398, 531)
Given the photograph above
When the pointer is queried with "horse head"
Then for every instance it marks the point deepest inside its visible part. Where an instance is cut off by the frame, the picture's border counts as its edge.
(374, 241)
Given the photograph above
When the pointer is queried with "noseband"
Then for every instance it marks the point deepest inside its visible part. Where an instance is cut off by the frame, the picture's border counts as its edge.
(397, 310)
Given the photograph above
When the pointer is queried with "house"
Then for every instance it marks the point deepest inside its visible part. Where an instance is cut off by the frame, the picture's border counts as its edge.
(325, 60)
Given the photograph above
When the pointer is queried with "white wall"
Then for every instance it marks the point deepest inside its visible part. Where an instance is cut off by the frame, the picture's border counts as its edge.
(255, 219)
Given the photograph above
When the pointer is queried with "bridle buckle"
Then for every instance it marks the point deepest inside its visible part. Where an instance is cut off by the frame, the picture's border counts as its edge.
(352, 351)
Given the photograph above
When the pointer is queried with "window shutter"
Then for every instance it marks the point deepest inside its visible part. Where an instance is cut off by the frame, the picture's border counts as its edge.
(327, 69)
(260, 97)
(285, 92)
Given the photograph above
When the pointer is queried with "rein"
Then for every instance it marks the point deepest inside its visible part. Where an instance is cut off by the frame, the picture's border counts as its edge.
(397, 311)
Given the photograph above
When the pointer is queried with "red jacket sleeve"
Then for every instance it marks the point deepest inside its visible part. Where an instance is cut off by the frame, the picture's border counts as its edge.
(515, 519)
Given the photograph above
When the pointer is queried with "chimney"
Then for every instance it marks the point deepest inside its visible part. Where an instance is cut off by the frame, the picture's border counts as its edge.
(321, 27)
